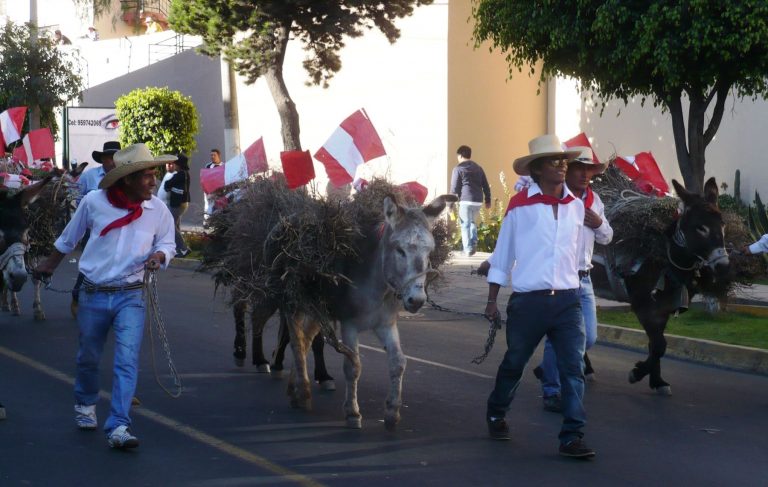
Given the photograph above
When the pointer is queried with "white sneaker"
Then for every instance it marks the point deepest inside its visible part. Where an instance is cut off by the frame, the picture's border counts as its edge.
(122, 438)
(85, 417)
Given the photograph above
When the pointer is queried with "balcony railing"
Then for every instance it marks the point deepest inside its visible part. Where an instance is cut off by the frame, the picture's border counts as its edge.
(135, 11)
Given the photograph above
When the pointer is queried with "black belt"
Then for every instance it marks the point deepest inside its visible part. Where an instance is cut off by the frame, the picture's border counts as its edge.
(91, 287)
(583, 274)
(545, 292)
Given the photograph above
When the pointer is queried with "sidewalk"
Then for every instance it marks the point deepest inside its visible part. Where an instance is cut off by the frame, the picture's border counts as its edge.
(468, 292)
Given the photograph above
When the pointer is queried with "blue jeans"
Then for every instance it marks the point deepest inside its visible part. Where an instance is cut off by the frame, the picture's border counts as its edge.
(550, 379)
(124, 312)
(467, 214)
(531, 316)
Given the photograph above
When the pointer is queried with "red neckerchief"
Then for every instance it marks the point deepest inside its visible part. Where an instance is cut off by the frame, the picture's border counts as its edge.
(119, 199)
(590, 197)
(522, 199)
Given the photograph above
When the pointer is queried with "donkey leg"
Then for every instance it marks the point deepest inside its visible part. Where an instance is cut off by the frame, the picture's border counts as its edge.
(15, 306)
(657, 348)
(278, 356)
(322, 376)
(390, 338)
(352, 371)
(37, 304)
(4, 306)
(261, 313)
(238, 310)
(298, 382)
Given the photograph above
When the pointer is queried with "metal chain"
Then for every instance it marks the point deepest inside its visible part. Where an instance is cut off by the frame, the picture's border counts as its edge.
(156, 322)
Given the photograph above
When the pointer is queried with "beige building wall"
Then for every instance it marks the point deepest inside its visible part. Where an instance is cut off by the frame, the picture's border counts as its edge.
(111, 25)
(487, 111)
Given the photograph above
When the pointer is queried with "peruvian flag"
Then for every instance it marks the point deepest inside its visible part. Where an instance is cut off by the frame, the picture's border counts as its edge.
(297, 167)
(643, 170)
(353, 143)
(580, 140)
(251, 161)
(12, 181)
(38, 144)
(11, 122)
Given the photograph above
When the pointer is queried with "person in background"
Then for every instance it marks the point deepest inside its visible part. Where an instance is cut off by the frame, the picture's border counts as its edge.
(60, 38)
(92, 34)
(469, 183)
(178, 191)
(165, 196)
(210, 199)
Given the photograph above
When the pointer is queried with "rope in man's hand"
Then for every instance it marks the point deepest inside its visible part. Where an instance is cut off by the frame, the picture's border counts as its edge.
(157, 325)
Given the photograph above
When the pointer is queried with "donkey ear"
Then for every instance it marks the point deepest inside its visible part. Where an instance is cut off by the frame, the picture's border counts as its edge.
(710, 191)
(686, 196)
(437, 205)
(28, 195)
(392, 212)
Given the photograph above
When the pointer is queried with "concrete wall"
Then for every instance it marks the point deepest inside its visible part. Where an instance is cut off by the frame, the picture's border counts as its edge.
(402, 86)
(196, 76)
(494, 115)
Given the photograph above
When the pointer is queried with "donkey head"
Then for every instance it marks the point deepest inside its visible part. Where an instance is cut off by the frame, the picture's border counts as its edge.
(14, 230)
(700, 228)
(406, 248)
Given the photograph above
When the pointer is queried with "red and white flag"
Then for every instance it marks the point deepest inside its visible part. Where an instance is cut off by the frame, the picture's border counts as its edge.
(297, 168)
(580, 140)
(11, 122)
(38, 144)
(12, 181)
(251, 161)
(353, 143)
(644, 171)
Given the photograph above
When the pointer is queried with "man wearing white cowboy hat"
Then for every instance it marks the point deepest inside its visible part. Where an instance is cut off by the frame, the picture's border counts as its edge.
(538, 248)
(596, 229)
(132, 232)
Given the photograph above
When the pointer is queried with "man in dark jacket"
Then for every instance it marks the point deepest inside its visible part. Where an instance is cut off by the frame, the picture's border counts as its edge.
(178, 190)
(469, 183)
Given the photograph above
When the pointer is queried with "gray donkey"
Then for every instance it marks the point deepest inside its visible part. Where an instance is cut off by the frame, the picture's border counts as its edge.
(391, 269)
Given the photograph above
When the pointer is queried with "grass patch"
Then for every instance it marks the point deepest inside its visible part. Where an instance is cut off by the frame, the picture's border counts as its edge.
(732, 328)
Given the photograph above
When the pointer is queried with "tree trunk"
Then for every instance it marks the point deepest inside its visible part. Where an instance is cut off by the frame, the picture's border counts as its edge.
(289, 116)
(696, 145)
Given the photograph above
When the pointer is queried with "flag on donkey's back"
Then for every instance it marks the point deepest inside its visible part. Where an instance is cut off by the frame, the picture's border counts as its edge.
(353, 143)
(297, 167)
(252, 160)
(38, 144)
(11, 122)
(644, 171)
(580, 140)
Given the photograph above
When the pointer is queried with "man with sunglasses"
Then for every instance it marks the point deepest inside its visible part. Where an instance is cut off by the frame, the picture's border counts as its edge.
(538, 249)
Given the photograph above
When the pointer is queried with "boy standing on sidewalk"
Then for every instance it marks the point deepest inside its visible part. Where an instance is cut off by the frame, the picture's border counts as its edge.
(469, 183)
(538, 247)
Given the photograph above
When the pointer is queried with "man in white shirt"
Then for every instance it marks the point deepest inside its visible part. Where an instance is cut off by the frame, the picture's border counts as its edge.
(132, 233)
(538, 249)
(210, 199)
(759, 247)
(596, 229)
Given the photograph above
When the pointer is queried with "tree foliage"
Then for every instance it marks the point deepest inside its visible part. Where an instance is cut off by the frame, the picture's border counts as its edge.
(35, 73)
(664, 50)
(253, 36)
(165, 120)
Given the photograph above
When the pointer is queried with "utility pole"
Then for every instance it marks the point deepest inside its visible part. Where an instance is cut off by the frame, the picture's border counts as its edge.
(34, 116)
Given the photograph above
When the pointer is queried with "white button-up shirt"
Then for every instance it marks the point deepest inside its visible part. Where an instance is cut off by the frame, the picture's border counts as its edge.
(536, 250)
(761, 246)
(602, 234)
(118, 257)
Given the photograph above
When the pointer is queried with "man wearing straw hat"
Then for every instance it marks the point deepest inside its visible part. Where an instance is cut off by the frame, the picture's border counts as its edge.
(132, 231)
(538, 248)
(596, 229)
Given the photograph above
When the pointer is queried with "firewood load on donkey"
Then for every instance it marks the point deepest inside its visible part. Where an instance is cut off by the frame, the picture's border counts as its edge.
(665, 251)
(354, 263)
(30, 220)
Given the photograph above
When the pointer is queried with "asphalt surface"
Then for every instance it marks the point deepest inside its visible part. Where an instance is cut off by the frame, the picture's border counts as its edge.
(234, 427)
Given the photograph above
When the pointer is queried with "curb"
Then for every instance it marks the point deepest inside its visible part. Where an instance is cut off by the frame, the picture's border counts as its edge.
(735, 357)
(188, 264)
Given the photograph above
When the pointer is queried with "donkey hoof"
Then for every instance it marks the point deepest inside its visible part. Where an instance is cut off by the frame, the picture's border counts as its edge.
(39, 315)
(632, 378)
(276, 373)
(354, 422)
(15, 312)
(664, 390)
(263, 369)
(328, 385)
(239, 362)
(305, 404)
(390, 422)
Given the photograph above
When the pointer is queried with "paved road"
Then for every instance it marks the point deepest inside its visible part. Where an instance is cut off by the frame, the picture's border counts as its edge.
(233, 427)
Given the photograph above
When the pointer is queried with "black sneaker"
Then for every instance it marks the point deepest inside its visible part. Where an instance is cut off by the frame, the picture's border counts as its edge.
(553, 404)
(576, 449)
(498, 429)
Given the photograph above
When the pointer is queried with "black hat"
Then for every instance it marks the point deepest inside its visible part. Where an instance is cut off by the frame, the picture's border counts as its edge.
(182, 161)
(109, 149)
